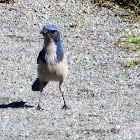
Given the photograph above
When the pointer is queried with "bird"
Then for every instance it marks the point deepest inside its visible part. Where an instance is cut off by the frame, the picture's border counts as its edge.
(52, 62)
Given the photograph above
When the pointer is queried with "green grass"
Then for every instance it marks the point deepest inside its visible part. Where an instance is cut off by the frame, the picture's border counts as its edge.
(134, 16)
(131, 7)
(132, 42)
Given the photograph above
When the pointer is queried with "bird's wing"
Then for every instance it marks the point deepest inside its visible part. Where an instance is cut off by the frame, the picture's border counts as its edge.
(41, 56)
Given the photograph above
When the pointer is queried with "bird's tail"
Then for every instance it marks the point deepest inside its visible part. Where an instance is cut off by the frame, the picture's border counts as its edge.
(36, 85)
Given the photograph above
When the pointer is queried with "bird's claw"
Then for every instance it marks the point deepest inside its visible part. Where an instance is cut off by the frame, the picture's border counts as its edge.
(65, 107)
(39, 107)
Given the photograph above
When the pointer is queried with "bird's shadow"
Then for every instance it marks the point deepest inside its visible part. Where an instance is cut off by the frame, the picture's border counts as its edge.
(20, 104)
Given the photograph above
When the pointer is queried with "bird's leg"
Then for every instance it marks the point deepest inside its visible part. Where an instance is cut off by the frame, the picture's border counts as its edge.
(38, 106)
(41, 89)
(62, 92)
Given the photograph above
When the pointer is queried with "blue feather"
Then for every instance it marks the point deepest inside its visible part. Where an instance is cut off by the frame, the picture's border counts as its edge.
(49, 28)
(41, 56)
(59, 52)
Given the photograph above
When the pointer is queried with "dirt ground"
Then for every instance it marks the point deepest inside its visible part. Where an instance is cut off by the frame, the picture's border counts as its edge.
(103, 97)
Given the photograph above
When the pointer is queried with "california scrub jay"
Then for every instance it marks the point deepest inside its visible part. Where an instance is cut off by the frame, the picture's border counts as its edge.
(52, 61)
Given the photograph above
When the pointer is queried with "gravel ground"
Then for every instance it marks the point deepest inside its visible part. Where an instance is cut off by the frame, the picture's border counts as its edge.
(103, 97)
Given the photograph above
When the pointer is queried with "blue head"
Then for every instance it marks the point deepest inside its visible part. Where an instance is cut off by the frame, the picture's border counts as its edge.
(51, 32)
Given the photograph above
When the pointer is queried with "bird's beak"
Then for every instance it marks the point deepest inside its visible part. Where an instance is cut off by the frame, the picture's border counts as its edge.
(43, 32)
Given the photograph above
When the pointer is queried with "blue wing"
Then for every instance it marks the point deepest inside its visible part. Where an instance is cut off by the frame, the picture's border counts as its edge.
(41, 56)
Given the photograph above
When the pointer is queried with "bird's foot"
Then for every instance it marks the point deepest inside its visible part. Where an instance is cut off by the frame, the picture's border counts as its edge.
(39, 107)
(65, 107)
